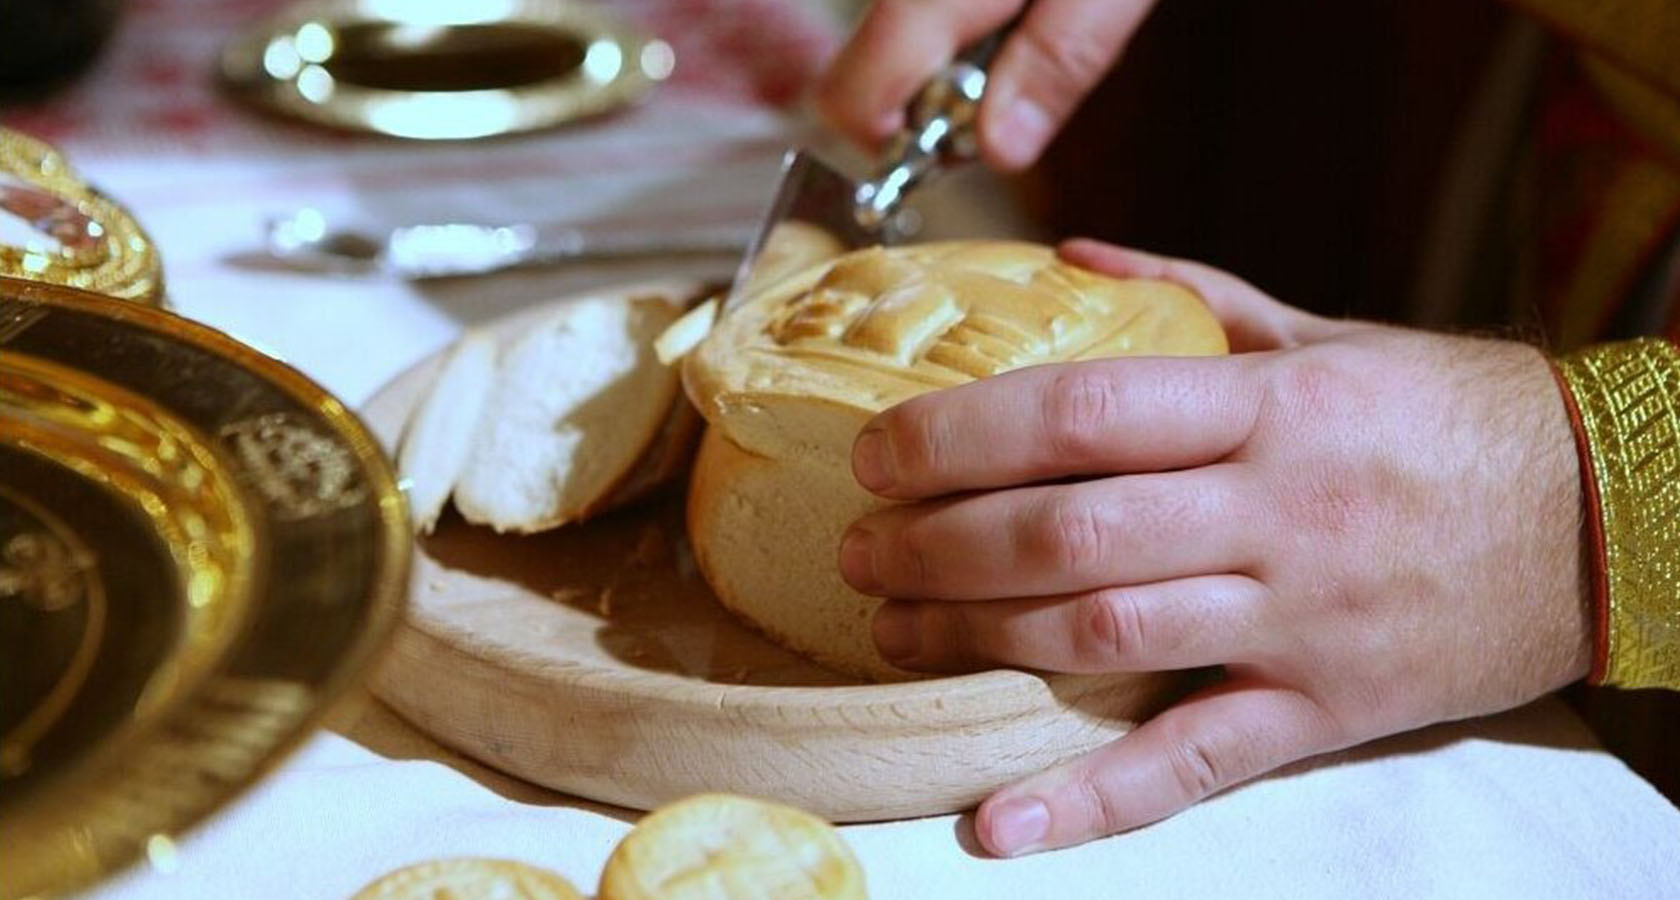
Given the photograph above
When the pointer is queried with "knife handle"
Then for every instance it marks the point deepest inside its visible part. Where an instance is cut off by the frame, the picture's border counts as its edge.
(939, 131)
(980, 53)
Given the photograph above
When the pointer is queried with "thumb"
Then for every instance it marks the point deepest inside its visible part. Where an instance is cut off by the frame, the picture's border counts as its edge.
(1221, 736)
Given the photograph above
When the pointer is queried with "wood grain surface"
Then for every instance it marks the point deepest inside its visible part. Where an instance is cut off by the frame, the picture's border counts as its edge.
(593, 660)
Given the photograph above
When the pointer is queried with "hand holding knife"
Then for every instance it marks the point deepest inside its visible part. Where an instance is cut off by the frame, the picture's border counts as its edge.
(939, 132)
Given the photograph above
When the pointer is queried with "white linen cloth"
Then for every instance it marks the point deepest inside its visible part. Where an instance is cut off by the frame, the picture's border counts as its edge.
(1520, 805)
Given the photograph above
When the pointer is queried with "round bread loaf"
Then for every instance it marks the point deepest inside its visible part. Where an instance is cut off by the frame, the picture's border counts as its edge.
(789, 377)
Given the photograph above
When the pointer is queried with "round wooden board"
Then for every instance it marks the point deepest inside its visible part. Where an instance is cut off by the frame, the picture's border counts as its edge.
(592, 659)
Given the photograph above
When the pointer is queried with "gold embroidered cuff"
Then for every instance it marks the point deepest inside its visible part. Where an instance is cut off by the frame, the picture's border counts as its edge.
(1628, 401)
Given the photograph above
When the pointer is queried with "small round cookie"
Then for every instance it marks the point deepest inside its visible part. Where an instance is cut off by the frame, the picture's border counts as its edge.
(470, 879)
(724, 847)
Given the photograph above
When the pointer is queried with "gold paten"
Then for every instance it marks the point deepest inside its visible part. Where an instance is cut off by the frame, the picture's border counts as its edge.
(62, 231)
(199, 551)
(1629, 398)
(443, 71)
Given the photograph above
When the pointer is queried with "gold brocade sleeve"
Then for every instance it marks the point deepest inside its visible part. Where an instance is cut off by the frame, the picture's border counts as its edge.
(1625, 399)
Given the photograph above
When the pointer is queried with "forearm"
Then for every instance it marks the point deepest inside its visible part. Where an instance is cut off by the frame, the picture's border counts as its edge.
(1625, 403)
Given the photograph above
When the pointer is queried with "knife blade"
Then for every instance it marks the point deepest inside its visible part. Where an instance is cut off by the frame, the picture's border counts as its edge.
(812, 191)
(939, 132)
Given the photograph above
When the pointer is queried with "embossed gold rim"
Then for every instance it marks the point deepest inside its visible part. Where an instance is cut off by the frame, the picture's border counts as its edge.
(285, 65)
(256, 702)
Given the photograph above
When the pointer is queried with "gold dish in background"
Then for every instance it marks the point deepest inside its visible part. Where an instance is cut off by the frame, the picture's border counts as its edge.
(442, 71)
(199, 551)
(57, 229)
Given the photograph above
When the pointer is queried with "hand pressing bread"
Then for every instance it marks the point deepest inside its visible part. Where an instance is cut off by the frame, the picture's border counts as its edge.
(1368, 529)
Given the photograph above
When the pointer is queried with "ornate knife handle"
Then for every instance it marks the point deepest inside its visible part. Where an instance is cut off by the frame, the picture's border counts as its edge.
(939, 132)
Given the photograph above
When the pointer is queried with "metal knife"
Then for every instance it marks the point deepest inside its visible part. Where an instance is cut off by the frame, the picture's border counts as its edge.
(939, 132)
(307, 240)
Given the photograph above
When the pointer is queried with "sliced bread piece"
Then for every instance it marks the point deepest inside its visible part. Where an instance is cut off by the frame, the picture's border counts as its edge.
(579, 399)
(440, 436)
(665, 461)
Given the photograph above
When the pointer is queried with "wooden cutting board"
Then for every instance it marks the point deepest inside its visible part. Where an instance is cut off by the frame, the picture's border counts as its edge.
(593, 660)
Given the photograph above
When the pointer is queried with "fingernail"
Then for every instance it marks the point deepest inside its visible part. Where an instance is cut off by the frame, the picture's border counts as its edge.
(1024, 131)
(872, 463)
(1020, 825)
(857, 560)
(895, 631)
(888, 124)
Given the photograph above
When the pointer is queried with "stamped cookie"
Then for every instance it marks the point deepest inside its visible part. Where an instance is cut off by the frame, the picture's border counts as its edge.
(470, 879)
(724, 847)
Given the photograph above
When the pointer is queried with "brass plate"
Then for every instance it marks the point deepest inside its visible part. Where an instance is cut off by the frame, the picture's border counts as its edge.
(56, 228)
(442, 71)
(200, 549)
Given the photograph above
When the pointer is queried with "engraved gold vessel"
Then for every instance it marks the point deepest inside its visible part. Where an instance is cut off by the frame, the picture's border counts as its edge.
(200, 550)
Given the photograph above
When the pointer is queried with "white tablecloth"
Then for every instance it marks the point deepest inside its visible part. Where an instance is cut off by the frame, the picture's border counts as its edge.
(1521, 805)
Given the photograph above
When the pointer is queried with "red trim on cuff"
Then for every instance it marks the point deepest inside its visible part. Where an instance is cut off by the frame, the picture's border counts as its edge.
(1595, 530)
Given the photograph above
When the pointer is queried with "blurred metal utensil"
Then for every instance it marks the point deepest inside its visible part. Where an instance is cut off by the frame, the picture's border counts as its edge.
(306, 240)
(443, 70)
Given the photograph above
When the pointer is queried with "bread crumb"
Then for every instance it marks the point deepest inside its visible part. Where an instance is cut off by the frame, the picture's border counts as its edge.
(687, 568)
(741, 675)
(604, 602)
(570, 594)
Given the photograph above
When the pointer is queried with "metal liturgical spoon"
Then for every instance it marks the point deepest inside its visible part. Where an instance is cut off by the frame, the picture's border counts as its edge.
(307, 240)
